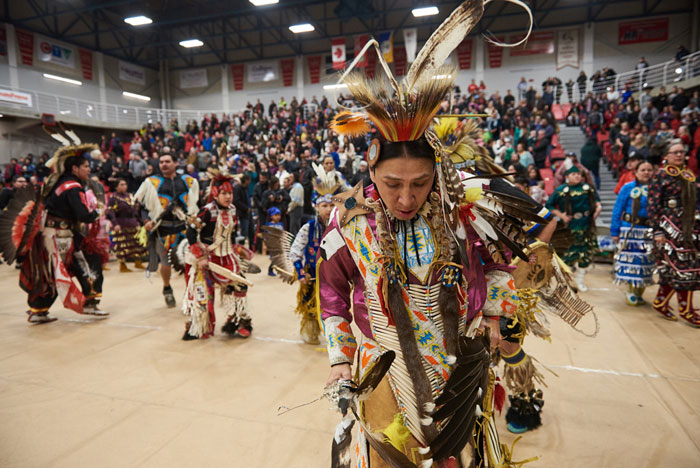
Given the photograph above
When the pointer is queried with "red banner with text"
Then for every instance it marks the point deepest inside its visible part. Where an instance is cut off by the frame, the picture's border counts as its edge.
(636, 32)
(86, 63)
(237, 70)
(25, 41)
(400, 60)
(371, 62)
(464, 54)
(537, 43)
(314, 69)
(360, 41)
(495, 53)
(287, 66)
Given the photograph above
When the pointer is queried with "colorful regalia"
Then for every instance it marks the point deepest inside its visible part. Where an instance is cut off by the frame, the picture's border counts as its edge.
(123, 212)
(211, 236)
(418, 289)
(578, 201)
(634, 262)
(674, 213)
(49, 235)
(168, 203)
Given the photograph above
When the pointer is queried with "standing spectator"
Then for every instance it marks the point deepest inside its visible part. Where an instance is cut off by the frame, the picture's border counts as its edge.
(539, 150)
(681, 53)
(12, 169)
(138, 169)
(582, 81)
(522, 88)
(649, 115)
(295, 210)
(591, 154)
(570, 90)
(241, 200)
(641, 68)
(362, 175)
(8, 193)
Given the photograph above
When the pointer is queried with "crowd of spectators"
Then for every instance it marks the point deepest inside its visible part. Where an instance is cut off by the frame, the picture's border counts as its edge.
(275, 146)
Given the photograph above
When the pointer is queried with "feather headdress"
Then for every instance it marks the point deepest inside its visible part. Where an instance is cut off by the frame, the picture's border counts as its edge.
(326, 184)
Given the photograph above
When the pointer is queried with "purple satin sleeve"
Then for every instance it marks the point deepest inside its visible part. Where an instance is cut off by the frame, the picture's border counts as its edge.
(480, 263)
(336, 278)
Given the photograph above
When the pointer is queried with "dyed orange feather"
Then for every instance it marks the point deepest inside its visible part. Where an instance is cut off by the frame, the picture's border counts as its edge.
(351, 124)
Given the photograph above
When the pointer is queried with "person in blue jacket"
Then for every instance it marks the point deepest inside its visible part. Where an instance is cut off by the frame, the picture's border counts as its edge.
(632, 233)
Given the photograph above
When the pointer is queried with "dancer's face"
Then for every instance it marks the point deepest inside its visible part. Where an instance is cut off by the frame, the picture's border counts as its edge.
(224, 198)
(121, 186)
(404, 184)
(644, 172)
(575, 178)
(324, 211)
(82, 172)
(676, 155)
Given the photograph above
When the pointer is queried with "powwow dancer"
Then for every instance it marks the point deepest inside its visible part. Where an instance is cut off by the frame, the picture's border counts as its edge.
(295, 257)
(543, 283)
(211, 260)
(96, 244)
(123, 213)
(629, 228)
(675, 218)
(414, 254)
(578, 205)
(45, 233)
(168, 199)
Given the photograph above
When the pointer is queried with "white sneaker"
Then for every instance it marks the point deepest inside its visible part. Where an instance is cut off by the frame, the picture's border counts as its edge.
(579, 276)
(93, 309)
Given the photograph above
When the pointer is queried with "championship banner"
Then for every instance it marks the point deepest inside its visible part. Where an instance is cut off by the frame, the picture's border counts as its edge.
(237, 72)
(132, 73)
(51, 51)
(338, 53)
(636, 32)
(360, 41)
(25, 41)
(3, 41)
(567, 48)
(287, 66)
(262, 72)
(15, 97)
(495, 53)
(410, 40)
(193, 78)
(371, 63)
(314, 63)
(86, 63)
(464, 54)
(400, 61)
(386, 45)
(537, 43)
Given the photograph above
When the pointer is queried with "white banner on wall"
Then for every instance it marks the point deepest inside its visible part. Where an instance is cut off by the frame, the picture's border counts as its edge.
(48, 50)
(410, 39)
(193, 78)
(263, 71)
(15, 97)
(567, 48)
(132, 73)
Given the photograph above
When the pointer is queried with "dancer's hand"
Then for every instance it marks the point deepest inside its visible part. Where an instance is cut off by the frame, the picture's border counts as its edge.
(304, 280)
(660, 239)
(148, 225)
(494, 327)
(202, 262)
(117, 228)
(340, 371)
(616, 239)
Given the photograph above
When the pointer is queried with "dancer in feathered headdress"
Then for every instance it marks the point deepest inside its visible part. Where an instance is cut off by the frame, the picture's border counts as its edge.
(46, 233)
(416, 254)
(294, 257)
(211, 259)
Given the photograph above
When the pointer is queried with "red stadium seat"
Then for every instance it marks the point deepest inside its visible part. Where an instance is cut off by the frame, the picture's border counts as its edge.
(548, 178)
(558, 112)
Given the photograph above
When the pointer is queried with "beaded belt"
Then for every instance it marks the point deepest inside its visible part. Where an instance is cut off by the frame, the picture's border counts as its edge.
(581, 215)
(641, 220)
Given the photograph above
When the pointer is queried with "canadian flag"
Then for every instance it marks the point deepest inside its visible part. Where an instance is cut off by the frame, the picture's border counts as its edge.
(338, 53)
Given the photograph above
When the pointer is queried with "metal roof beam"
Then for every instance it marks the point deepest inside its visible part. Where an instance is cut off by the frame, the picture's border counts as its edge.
(91, 7)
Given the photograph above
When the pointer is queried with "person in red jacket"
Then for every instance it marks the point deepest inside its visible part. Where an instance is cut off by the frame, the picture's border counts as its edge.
(628, 175)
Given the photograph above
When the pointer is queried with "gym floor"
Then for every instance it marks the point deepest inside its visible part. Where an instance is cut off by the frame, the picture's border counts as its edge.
(127, 391)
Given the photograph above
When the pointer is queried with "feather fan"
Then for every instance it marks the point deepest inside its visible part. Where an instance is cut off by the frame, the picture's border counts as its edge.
(19, 224)
(279, 243)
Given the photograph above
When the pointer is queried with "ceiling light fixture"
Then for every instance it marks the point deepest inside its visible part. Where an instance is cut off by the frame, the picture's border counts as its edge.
(138, 20)
(425, 11)
(60, 78)
(264, 2)
(140, 97)
(301, 28)
(189, 43)
(335, 86)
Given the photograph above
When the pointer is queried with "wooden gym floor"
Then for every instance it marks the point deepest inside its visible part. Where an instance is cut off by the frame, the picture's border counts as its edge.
(128, 392)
